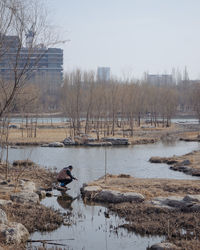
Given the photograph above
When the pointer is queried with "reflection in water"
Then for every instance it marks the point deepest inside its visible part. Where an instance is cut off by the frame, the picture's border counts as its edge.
(65, 200)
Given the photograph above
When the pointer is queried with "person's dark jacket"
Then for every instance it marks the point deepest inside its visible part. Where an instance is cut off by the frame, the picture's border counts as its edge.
(64, 174)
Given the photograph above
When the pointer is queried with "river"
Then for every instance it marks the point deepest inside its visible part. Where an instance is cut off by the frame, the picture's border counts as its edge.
(92, 230)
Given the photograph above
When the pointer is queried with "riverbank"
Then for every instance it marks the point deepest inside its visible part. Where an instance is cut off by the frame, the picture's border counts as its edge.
(169, 208)
(47, 133)
(20, 204)
(188, 163)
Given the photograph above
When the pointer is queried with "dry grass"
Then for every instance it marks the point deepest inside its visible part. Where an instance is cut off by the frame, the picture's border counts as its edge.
(47, 133)
(149, 187)
(34, 217)
(41, 176)
(44, 135)
(179, 227)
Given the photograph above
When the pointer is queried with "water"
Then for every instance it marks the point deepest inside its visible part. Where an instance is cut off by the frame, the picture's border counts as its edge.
(40, 120)
(185, 120)
(50, 120)
(92, 230)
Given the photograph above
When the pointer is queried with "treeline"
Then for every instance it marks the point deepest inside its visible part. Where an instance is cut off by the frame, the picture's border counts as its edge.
(107, 105)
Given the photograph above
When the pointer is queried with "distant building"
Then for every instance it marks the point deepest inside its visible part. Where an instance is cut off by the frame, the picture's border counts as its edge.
(103, 74)
(160, 80)
(42, 64)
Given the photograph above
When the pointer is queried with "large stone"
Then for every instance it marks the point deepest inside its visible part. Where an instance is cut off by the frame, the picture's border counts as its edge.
(3, 217)
(164, 246)
(5, 202)
(25, 197)
(56, 144)
(116, 141)
(23, 163)
(41, 193)
(90, 190)
(95, 193)
(111, 196)
(174, 201)
(157, 159)
(13, 233)
(29, 186)
(68, 141)
(171, 201)
(98, 144)
(192, 198)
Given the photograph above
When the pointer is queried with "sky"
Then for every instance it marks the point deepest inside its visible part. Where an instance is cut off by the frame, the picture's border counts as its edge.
(129, 36)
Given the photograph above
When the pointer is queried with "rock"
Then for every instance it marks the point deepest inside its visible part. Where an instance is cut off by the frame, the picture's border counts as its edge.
(90, 139)
(90, 190)
(188, 203)
(156, 159)
(194, 208)
(5, 202)
(117, 141)
(185, 162)
(68, 141)
(3, 217)
(164, 246)
(169, 161)
(29, 186)
(56, 144)
(24, 197)
(171, 201)
(4, 183)
(23, 163)
(14, 126)
(95, 193)
(98, 144)
(45, 145)
(41, 193)
(174, 201)
(13, 233)
(181, 168)
(192, 198)
(111, 196)
(49, 194)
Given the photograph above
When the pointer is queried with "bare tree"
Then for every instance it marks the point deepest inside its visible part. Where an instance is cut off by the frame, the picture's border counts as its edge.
(196, 100)
(18, 17)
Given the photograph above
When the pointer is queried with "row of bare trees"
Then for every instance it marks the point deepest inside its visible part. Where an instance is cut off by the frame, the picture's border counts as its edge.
(105, 106)
(114, 104)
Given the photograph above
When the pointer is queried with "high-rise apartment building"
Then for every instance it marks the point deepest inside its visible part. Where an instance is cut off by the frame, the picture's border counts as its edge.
(103, 74)
(38, 64)
(160, 80)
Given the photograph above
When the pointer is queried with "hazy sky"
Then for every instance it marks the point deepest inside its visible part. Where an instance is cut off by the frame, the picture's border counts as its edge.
(129, 36)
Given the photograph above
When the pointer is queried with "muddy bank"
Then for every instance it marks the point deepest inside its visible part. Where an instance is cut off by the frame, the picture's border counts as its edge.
(20, 202)
(188, 163)
(170, 208)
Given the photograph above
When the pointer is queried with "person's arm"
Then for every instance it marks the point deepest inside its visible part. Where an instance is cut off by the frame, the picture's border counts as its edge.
(70, 175)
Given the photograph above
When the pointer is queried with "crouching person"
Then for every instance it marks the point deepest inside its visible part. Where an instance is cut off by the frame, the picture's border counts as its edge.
(65, 177)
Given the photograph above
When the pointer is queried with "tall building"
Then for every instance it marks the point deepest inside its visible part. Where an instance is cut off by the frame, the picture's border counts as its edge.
(160, 80)
(37, 64)
(103, 74)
